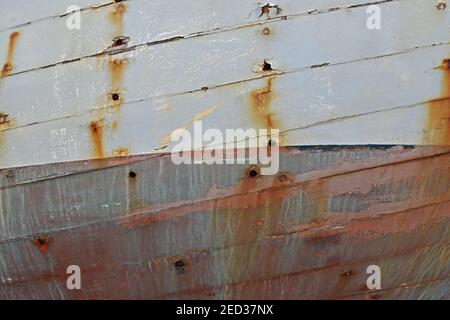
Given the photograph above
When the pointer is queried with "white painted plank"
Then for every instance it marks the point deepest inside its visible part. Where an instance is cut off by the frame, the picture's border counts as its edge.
(232, 56)
(50, 41)
(399, 85)
(18, 12)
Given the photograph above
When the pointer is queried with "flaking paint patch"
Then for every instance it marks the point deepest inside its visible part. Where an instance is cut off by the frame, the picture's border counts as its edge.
(121, 152)
(97, 136)
(438, 118)
(6, 122)
(8, 64)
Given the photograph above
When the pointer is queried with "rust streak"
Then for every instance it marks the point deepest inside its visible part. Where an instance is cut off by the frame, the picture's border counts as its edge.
(260, 107)
(116, 18)
(96, 133)
(8, 65)
(438, 119)
(116, 69)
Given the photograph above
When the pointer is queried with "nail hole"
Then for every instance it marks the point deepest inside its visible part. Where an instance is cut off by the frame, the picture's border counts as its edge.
(441, 5)
(266, 31)
(179, 264)
(348, 274)
(267, 66)
(10, 174)
(253, 173)
(115, 96)
(132, 174)
(120, 41)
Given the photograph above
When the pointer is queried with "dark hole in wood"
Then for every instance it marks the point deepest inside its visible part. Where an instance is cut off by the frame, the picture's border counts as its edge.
(253, 173)
(267, 66)
(179, 264)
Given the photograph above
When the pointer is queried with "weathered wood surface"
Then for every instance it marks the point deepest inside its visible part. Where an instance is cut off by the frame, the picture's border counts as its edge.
(145, 22)
(25, 12)
(317, 225)
(330, 212)
(380, 87)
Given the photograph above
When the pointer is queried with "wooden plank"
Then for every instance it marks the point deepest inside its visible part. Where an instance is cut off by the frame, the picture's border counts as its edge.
(66, 203)
(213, 60)
(309, 264)
(20, 12)
(313, 106)
(142, 21)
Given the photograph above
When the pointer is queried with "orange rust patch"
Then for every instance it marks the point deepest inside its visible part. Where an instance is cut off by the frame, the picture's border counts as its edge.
(260, 107)
(96, 133)
(121, 152)
(438, 119)
(5, 122)
(42, 244)
(8, 65)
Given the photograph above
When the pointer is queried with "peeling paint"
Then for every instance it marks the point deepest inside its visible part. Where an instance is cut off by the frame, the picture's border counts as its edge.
(6, 122)
(121, 152)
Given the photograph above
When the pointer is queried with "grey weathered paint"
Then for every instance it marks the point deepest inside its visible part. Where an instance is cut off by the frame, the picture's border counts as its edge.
(339, 211)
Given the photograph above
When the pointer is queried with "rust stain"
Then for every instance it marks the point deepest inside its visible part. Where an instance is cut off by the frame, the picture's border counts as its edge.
(116, 18)
(121, 152)
(96, 133)
(5, 122)
(260, 107)
(42, 244)
(8, 65)
(438, 119)
(116, 69)
(114, 125)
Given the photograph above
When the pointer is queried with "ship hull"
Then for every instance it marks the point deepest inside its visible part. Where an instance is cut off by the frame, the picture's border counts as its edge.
(92, 99)
(216, 232)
